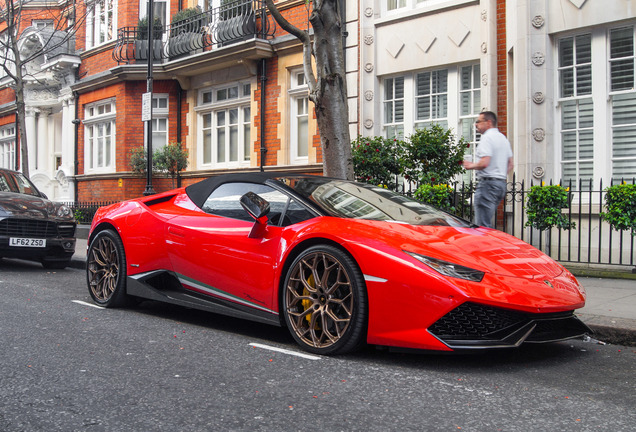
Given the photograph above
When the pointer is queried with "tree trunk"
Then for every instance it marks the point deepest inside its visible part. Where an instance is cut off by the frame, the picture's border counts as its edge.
(21, 111)
(327, 88)
(330, 93)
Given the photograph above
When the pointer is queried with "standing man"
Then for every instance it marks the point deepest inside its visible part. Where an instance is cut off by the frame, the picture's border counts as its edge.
(494, 161)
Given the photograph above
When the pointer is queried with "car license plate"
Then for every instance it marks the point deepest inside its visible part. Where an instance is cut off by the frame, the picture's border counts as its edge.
(27, 242)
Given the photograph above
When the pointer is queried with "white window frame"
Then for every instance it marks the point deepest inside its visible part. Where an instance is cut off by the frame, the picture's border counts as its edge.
(42, 24)
(212, 102)
(93, 119)
(468, 118)
(409, 120)
(393, 8)
(623, 94)
(160, 122)
(143, 10)
(579, 161)
(394, 125)
(94, 26)
(7, 146)
(433, 97)
(7, 54)
(298, 94)
(602, 97)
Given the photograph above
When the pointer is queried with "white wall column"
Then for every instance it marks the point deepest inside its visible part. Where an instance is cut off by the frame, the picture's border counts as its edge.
(68, 136)
(43, 151)
(31, 136)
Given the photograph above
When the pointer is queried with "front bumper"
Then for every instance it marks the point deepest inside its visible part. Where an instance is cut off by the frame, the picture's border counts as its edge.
(476, 326)
(59, 236)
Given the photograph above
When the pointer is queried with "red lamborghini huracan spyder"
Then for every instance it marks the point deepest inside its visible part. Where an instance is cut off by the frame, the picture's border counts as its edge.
(338, 263)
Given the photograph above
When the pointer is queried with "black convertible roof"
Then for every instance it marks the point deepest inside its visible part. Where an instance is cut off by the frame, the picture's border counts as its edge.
(199, 192)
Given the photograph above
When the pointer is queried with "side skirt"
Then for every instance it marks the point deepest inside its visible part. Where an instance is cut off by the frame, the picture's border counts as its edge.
(164, 286)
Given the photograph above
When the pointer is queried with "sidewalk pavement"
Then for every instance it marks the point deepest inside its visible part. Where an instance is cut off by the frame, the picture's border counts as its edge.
(610, 309)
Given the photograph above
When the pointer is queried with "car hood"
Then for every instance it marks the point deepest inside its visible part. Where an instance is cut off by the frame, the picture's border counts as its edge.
(482, 249)
(26, 206)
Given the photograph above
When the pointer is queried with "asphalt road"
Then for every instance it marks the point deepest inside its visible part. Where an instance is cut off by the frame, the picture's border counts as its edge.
(69, 366)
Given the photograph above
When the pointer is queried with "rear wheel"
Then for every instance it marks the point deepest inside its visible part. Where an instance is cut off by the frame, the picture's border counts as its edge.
(325, 301)
(106, 270)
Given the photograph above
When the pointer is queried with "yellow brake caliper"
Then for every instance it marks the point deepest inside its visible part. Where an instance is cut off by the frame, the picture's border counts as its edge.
(307, 304)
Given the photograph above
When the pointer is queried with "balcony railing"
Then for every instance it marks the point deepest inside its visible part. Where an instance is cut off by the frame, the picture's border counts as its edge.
(228, 24)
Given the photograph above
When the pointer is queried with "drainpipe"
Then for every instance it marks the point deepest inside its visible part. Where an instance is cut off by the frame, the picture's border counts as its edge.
(17, 150)
(76, 122)
(263, 148)
(179, 114)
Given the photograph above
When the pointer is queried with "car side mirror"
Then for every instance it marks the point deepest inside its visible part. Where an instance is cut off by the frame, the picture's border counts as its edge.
(257, 208)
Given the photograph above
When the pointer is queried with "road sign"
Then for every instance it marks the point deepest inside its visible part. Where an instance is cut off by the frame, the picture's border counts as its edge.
(146, 104)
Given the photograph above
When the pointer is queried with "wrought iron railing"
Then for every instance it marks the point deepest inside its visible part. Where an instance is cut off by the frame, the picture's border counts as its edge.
(84, 211)
(592, 242)
(225, 25)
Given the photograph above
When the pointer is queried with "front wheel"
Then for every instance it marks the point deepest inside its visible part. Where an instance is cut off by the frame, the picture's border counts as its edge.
(325, 301)
(106, 270)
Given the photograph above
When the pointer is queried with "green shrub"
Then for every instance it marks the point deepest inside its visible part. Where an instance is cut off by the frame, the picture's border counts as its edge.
(433, 155)
(375, 160)
(172, 159)
(441, 196)
(544, 206)
(142, 29)
(138, 160)
(620, 207)
(183, 21)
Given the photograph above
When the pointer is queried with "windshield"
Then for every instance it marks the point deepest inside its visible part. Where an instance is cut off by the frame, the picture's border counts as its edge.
(18, 183)
(362, 201)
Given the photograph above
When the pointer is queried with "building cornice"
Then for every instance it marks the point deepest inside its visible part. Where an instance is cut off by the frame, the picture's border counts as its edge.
(244, 53)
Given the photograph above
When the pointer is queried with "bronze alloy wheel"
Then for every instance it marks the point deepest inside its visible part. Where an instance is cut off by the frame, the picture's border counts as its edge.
(106, 269)
(325, 301)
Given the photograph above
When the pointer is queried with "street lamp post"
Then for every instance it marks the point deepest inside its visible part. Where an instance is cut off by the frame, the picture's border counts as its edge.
(151, 24)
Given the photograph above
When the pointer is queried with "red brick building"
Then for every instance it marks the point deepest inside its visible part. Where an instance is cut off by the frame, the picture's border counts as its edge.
(227, 84)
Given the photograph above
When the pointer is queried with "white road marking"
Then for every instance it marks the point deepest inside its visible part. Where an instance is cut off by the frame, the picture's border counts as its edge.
(284, 351)
(87, 304)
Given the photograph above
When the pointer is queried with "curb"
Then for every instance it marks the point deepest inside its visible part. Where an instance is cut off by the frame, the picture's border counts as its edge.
(78, 263)
(616, 331)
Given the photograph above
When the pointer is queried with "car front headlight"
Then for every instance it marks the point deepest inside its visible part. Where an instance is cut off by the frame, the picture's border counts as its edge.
(449, 269)
(63, 211)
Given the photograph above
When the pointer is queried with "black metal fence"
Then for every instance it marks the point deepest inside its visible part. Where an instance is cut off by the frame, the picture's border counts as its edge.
(593, 241)
(84, 211)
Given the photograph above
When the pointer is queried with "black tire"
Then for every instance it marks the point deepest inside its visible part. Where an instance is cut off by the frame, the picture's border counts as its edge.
(328, 315)
(106, 270)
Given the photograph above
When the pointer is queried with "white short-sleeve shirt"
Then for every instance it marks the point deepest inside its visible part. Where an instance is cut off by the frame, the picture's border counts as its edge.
(494, 144)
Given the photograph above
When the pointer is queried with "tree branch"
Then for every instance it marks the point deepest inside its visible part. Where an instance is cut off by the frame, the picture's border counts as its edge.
(304, 37)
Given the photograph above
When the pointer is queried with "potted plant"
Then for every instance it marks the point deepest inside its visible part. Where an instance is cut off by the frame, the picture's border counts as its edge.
(139, 161)
(172, 159)
(185, 32)
(544, 207)
(141, 42)
(620, 207)
(236, 21)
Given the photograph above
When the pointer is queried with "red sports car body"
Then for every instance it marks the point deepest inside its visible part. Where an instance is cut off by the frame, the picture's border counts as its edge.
(339, 263)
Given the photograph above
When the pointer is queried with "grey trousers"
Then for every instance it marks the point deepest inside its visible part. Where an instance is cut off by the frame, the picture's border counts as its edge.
(488, 195)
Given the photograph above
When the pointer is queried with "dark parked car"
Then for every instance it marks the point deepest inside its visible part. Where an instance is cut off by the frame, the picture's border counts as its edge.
(31, 226)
